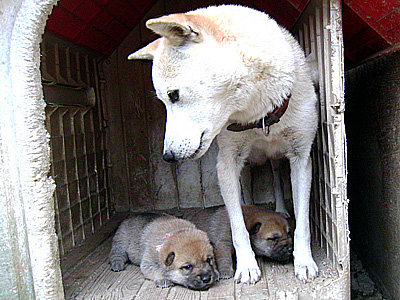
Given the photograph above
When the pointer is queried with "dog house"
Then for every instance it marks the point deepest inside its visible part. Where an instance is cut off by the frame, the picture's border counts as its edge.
(81, 147)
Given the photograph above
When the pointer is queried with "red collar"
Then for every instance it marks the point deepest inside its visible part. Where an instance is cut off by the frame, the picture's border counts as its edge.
(270, 119)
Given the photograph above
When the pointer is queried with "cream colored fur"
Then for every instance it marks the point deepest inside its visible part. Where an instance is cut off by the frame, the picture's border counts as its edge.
(235, 64)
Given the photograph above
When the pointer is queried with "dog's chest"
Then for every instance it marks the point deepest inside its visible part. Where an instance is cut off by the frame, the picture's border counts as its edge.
(270, 146)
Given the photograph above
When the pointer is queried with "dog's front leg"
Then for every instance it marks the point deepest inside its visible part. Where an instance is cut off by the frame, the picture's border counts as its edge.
(301, 172)
(228, 168)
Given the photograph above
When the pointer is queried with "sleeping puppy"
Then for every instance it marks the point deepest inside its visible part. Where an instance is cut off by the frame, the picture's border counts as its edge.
(167, 249)
(269, 233)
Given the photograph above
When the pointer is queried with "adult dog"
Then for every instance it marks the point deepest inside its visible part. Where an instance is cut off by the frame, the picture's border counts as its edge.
(225, 71)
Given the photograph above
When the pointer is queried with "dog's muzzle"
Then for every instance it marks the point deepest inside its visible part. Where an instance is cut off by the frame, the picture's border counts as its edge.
(171, 157)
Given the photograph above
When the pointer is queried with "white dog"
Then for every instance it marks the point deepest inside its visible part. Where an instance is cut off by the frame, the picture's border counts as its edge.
(219, 69)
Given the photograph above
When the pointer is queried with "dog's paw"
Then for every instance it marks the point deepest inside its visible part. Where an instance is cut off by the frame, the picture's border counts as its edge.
(305, 270)
(163, 283)
(117, 265)
(247, 270)
(248, 275)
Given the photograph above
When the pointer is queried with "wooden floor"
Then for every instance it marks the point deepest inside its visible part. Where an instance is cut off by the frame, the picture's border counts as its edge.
(92, 278)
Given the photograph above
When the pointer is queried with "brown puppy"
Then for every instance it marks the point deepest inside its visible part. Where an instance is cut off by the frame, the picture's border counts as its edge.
(269, 233)
(169, 251)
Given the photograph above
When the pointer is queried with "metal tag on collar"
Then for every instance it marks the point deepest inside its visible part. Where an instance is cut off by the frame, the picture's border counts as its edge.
(265, 129)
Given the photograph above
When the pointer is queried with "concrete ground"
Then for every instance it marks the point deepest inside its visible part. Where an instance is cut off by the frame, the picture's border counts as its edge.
(362, 287)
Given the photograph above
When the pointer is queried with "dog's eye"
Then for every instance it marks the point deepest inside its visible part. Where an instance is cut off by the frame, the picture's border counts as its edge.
(173, 95)
(274, 238)
(208, 260)
(187, 267)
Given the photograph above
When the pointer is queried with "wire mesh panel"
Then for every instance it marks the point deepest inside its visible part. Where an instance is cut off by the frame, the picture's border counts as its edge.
(77, 139)
(319, 33)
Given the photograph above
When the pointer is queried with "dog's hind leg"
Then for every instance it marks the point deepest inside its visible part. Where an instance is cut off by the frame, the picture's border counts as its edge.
(228, 168)
(301, 172)
(279, 202)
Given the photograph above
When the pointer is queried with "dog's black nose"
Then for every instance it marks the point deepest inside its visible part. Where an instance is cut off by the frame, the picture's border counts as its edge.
(168, 156)
(206, 278)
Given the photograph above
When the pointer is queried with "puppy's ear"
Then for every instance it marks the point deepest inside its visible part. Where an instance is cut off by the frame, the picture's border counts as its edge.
(146, 52)
(255, 228)
(175, 28)
(170, 259)
(282, 215)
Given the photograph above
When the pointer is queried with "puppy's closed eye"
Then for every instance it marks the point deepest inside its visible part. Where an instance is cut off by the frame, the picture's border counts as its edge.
(187, 267)
(274, 237)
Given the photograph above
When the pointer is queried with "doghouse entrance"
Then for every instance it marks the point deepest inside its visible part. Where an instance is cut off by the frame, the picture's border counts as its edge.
(107, 129)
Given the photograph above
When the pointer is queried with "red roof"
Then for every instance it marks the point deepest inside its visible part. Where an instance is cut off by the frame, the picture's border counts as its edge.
(100, 25)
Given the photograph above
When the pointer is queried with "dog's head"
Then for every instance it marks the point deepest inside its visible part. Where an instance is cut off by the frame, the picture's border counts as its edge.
(187, 259)
(269, 233)
(197, 77)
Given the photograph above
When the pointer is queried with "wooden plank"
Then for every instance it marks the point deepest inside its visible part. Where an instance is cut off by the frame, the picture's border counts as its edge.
(178, 292)
(148, 291)
(113, 285)
(163, 175)
(211, 192)
(189, 184)
(115, 137)
(134, 118)
(263, 190)
(223, 289)
(87, 269)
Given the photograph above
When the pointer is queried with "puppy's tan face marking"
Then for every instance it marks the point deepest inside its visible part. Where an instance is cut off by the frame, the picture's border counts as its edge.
(192, 262)
(269, 234)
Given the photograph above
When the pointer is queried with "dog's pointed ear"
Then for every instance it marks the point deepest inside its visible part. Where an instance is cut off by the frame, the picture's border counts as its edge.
(170, 259)
(255, 228)
(146, 52)
(175, 28)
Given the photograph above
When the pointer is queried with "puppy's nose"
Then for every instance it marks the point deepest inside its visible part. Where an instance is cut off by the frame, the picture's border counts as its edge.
(288, 248)
(169, 156)
(206, 278)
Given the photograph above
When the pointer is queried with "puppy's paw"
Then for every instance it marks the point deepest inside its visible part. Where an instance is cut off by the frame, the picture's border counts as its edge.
(305, 269)
(247, 270)
(163, 283)
(226, 274)
(117, 265)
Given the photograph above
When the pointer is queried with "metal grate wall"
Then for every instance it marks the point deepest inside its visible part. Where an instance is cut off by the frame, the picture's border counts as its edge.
(319, 33)
(77, 139)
